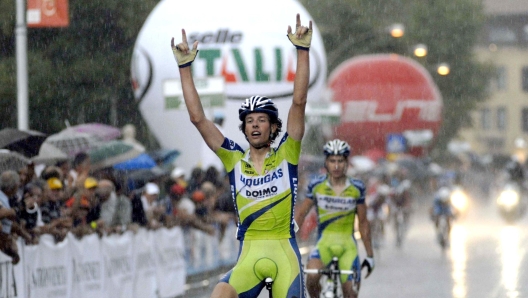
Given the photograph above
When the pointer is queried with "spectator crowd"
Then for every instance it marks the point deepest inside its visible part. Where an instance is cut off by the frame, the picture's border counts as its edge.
(69, 197)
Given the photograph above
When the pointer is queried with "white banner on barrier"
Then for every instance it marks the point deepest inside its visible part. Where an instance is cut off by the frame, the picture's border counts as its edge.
(48, 269)
(12, 281)
(147, 264)
(204, 252)
(145, 283)
(229, 246)
(8, 284)
(87, 266)
(171, 271)
(117, 251)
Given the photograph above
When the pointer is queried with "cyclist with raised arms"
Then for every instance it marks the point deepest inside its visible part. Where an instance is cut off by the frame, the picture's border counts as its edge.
(263, 179)
(338, 198)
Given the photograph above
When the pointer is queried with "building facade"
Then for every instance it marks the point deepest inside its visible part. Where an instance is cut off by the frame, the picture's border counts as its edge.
(503, 118)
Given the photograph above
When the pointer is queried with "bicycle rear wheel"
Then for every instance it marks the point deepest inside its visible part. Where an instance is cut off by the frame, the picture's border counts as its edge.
(443, 232)
(400, 228)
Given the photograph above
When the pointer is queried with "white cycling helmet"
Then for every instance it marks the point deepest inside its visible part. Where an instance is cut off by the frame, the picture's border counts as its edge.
(435, 169)
(337, 147)
(258, 104)
(444, 193)
(384, 190)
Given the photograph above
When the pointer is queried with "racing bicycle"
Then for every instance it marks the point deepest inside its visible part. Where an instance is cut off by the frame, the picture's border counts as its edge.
(443, 231)
(400, 225)
(377, 233)
(330, 279)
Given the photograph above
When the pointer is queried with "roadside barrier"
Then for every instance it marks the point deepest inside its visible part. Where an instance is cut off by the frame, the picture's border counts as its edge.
(150, 263)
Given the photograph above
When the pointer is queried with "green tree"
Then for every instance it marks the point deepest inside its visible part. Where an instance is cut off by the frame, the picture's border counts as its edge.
(449, 28)
(75, 72)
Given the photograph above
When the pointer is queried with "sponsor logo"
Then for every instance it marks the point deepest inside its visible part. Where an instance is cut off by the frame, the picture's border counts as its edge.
(49, 277)
(86, 272)
(295, 187)
(49, 7)
(119, 266)
(336, 200)
(248, 181)
(215, 59)
(332, 203)
(366, 110)
(262, 193)
(218, 37)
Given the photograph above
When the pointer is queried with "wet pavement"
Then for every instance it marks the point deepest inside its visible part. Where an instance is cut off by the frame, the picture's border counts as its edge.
(486, 258)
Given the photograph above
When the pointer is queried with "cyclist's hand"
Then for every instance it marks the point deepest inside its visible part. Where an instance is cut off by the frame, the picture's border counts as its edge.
(183, 55)
(369, 263)
(302, 37)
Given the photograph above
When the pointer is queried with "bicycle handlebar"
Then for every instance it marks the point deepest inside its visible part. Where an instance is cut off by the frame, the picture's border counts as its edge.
(328, 271)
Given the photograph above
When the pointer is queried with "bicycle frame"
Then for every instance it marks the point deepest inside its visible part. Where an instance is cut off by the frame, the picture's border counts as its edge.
(400, 225)
(268, 282)
(333, 273)
(442, 230)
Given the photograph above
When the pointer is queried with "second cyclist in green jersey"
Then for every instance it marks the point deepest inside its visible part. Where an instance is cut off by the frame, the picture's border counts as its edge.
(337, 199)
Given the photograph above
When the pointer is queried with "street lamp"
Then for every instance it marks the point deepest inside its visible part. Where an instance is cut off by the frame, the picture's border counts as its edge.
(443, 69)
(420, 50)
(396, 30)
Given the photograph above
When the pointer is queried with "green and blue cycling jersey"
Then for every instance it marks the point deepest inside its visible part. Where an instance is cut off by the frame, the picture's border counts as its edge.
(264, 203)
(336, 212)
(335, 217)
(442, 208)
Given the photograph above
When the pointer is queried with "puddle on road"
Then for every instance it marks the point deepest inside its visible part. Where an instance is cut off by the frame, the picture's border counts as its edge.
(511, 257)
(459, 236)
(510, 252)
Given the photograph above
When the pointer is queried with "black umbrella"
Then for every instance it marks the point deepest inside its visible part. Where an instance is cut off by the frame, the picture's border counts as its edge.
(26, 142)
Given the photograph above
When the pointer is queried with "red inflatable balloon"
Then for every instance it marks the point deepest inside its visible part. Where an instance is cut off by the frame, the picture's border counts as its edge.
(382, 96)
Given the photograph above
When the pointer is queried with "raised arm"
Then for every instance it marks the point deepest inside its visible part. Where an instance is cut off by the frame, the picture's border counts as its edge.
(301, 39)
(184, 57)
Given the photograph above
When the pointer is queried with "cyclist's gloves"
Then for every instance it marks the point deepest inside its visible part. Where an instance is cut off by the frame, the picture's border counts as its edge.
(369, 263)
(184, 56)
(303, 42)
(302, 37)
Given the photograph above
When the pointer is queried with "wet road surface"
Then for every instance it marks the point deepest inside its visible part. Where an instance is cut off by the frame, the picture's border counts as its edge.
(486, 259)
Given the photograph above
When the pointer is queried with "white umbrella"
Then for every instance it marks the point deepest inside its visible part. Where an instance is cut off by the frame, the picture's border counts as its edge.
(71, 142)
(101, 131)
(49, 155)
